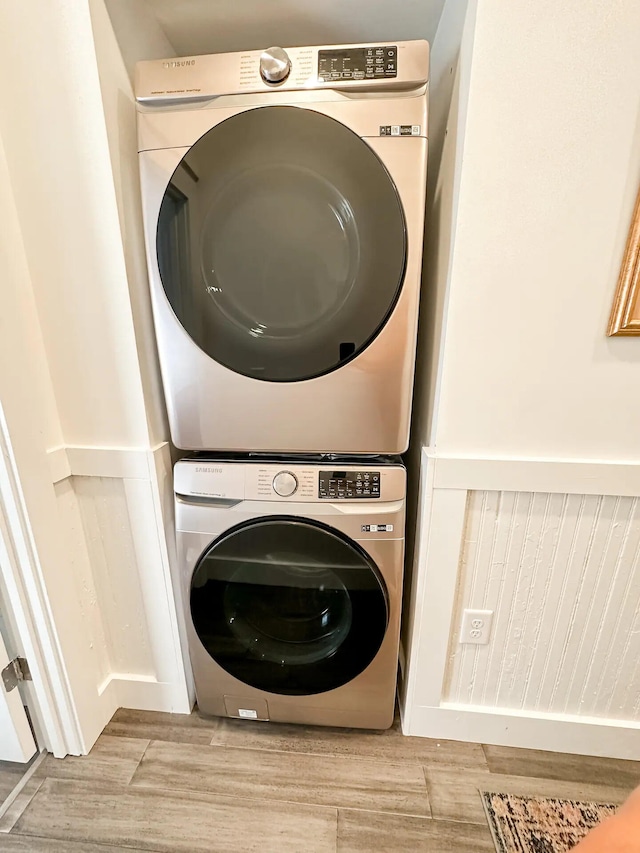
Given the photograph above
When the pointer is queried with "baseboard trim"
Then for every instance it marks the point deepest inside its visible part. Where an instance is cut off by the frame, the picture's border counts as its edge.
(144, 693)
(526, 729)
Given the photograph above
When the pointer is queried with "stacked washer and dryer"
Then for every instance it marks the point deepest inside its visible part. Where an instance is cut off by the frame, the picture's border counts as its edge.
(283, 201)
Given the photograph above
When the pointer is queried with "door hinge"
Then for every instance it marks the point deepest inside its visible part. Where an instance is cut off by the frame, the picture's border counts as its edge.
(14, 672)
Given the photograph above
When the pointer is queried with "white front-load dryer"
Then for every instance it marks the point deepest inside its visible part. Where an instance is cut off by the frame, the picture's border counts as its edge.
(291, 584)
(283, 199)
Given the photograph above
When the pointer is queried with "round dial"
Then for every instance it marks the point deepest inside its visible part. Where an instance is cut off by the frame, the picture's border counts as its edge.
(285, 484)
(275, 65)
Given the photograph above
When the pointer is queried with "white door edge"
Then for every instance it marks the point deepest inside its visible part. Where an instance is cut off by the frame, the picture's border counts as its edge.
(49, 694)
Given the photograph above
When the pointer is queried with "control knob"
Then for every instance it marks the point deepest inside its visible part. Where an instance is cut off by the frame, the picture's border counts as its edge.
(275, 65)
(285, 484)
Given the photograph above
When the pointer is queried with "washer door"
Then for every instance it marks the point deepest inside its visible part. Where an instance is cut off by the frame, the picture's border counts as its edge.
(281, 243)
(288, 606)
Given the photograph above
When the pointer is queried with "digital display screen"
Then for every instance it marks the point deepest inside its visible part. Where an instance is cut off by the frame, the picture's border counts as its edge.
(358, 63)
(342, 485)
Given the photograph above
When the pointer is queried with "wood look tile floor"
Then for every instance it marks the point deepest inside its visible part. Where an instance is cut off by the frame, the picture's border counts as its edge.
(10, 775)
(168, 783)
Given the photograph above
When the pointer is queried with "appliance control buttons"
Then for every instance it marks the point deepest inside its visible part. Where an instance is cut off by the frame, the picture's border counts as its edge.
(341, 485)
(285, 484)
(275, 65)
(359, 63)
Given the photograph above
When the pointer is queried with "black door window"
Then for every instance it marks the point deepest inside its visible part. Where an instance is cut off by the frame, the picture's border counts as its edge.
(288, 606)
(281, 243)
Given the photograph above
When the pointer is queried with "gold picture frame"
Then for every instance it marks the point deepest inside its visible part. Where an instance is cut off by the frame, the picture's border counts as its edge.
(625, 315)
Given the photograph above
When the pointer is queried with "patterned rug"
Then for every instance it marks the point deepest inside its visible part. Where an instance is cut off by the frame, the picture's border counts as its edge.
(540, 824)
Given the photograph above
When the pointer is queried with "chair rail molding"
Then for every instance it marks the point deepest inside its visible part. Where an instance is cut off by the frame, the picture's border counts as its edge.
(125, 463)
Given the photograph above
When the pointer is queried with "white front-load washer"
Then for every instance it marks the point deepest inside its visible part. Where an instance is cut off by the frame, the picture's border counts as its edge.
(291, 584)
(283, 199)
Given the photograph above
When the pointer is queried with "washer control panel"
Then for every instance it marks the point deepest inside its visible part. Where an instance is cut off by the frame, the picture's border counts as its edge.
(340, 485)
(287, 481)
(358, 63)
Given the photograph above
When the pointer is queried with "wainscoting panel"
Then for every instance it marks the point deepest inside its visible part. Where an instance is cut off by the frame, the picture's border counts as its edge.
(109, 535)
(562, 574)
(119, 531)
(81, 569)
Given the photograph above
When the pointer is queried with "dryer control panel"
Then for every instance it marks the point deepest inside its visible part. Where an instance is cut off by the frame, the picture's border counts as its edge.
(358, 63)
(340, 485)
(381, 67)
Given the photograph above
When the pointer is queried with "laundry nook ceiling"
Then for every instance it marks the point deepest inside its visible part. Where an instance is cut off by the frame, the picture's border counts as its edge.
(217, 26)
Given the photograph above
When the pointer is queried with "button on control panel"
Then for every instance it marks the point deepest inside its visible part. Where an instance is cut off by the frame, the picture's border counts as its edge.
(358, 63)
(340, 485)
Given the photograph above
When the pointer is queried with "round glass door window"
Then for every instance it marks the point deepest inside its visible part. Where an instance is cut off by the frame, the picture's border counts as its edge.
(281, 243)
(288, 606)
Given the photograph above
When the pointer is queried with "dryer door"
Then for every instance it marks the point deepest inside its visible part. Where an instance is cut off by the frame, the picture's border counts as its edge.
(281, 243)
(288, 606)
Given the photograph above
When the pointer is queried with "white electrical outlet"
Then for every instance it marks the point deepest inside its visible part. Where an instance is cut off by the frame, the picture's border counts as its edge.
(476, 626)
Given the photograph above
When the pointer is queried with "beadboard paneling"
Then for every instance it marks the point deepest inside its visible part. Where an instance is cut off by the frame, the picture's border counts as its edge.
(120, 530)
(105, 518)
(79, 564)
(562, 575)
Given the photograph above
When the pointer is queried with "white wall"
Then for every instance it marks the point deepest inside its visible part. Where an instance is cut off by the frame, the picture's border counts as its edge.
(451, 59)
(448, 96)
(446, 47)
(92, 446)
(531, 469)
(551, 171)
(56, 147)
(144, 39)
(203, 26)
(136, 29)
